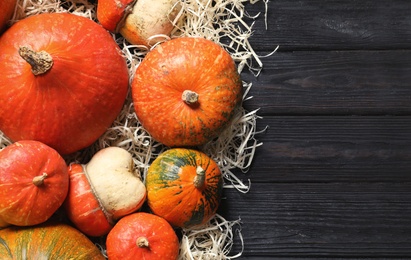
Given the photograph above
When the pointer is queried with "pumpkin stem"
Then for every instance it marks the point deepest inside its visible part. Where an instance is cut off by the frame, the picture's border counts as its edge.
(190, 97)
(40, 62)
(199, 180)
(39, 180)
(142, 242)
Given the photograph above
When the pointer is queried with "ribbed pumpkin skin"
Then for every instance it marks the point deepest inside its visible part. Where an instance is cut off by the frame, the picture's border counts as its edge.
(180, 64)
(171, 193)
(23, 203)
(122, 240)
(6, 12)
(73, 103)
(47, 241)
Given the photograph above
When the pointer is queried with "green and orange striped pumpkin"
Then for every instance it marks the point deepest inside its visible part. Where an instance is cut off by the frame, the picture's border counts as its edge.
(184, 186)
(46, 241)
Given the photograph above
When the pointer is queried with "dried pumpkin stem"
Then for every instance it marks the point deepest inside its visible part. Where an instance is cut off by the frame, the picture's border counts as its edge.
(39, 180)
(190, 97)
(142, 242)
(199, 180)
(40, 62)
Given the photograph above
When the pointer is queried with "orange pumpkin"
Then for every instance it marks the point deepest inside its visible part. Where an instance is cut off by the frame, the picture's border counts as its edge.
(184, 186)
(82, 207)
(142, 236)
(103, 190)
(139, 21)
(63, 81)
(111, 13)
(46, 241)
(6, 12)
(33, 183)
(185, 91)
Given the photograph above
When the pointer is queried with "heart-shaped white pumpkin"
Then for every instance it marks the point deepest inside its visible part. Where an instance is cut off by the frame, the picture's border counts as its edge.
(115, 182)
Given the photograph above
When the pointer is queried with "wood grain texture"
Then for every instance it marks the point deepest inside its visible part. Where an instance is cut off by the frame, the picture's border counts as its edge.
(333, 83)
(332, 178)
(332, 25)
(339, 219)
(333, 149)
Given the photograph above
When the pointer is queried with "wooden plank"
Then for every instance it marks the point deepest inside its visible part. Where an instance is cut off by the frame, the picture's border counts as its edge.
(332, 149)
(317, 220)
(333, 83)
(332, 25)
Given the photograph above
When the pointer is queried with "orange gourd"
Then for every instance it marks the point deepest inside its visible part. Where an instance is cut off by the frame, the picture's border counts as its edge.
(102, 191)
(63, 81)
(142, 236)
(184, 187)
(142, 22)
(82, 207)
(185, 91)
(6, 12)
(33, 183)
(46, 241)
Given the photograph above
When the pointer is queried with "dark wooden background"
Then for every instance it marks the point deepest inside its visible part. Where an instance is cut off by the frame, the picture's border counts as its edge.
(333, 176)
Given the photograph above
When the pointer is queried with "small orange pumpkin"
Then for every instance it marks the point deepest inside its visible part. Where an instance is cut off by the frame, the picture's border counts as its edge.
(63, 81)
(33, 183)
(142, 236)
(185, 91)
(46, 241)
(184, 186)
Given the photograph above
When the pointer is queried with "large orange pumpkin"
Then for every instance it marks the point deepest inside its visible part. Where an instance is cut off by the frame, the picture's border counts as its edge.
(142, 236)
(33, 183)
(6, 12)
(63, 81)
(46, 241)
(185, 91)
(184, 187)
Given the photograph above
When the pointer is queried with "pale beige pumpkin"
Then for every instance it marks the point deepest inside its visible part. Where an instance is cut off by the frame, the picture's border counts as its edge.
(139, 22)
(103, 190)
